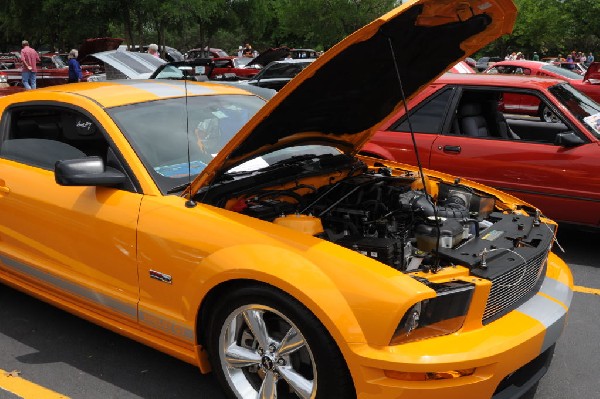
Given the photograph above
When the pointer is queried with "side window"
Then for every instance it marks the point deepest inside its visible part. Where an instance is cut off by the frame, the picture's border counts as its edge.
(508, 115)
(39, 136)
(532, 118)
(427, 117)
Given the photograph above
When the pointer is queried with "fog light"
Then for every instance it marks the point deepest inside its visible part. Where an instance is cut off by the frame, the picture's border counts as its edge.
(443, 375)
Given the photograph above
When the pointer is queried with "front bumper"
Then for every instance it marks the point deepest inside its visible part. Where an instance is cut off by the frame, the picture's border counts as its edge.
(508, 355)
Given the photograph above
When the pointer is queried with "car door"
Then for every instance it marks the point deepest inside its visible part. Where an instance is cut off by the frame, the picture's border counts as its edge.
(74, 243)
(559, 179)
(427, 120)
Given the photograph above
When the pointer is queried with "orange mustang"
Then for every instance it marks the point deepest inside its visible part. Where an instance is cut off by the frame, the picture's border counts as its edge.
(251, 240)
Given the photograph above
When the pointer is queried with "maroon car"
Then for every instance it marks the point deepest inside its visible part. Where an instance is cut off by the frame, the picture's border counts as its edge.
(52, 70)
(462, 127)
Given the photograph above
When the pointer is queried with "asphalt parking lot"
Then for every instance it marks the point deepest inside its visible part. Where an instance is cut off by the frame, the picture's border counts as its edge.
(58, 355)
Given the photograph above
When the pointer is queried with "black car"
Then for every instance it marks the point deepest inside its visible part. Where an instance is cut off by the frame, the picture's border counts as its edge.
(278, 73)
(484, 62)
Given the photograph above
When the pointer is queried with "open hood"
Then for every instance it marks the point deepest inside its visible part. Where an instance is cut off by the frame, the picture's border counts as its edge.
(593, 73)
(269, 55)
(121, 64)
(340, 100)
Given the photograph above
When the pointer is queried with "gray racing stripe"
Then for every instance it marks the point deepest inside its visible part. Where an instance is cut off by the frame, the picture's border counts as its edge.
(557, 290)
(93, 296)
(163, 89)
(551, 314)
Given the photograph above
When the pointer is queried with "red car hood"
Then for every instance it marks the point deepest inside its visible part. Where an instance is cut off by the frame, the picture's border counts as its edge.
(336, 102)
(593, 73)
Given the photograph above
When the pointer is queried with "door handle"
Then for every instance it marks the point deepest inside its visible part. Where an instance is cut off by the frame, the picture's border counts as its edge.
(452, 148)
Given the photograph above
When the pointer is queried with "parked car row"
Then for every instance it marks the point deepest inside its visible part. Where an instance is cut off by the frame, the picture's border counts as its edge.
(588, 84)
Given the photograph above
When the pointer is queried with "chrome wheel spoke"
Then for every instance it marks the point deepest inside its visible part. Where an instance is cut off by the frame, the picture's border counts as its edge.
(292, 341)
(239, 357)
(268, 389)
(301, 386)
(256, 323)
(230, 333)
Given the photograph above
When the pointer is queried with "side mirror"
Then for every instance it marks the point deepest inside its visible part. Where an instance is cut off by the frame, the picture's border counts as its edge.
(568, 139)
(89, 171)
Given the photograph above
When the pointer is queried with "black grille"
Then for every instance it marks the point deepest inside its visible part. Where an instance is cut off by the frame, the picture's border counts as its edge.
(513, 287)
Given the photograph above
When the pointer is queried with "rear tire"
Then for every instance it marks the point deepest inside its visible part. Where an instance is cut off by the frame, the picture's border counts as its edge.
(260, 341)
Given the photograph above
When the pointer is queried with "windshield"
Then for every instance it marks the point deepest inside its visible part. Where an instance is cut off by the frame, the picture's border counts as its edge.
(60, 61)
(170, 72)
(581, 106)
(242, 62)
(282, 70)
(170, 137)
(562, 72)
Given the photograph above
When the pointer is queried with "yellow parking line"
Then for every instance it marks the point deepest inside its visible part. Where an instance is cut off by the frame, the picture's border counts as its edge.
(586, 290)
(11, 382)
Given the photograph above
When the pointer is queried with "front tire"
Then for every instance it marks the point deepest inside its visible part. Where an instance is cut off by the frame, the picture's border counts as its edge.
(262, 343)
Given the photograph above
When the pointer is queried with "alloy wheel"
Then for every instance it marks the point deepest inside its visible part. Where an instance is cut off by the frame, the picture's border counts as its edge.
(264, 355)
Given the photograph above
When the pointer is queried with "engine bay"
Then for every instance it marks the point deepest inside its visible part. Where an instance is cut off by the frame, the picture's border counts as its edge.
(386, 214)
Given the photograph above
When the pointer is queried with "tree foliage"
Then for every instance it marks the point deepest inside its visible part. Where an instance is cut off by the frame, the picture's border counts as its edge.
(548, 27)
(551, 27)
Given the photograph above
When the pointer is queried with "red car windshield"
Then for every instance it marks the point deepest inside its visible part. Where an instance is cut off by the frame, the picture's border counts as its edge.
(581, 106)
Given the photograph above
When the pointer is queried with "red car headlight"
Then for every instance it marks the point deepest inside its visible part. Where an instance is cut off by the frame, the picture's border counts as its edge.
(441, 315)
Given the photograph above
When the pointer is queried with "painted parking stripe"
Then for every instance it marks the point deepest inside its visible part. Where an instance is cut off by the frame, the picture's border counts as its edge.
(586, 290)
(11, 382)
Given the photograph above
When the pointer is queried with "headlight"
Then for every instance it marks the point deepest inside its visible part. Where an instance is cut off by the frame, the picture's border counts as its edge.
(3, 78)
(441, 315)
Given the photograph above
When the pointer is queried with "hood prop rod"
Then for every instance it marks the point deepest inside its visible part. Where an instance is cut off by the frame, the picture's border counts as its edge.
(436, 265)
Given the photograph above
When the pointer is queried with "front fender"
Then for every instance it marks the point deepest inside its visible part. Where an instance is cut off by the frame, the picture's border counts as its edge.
(348, 292)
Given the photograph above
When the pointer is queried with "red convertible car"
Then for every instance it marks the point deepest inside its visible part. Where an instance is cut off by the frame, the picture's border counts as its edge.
(462, 127)
(234, 66)
(588, 84)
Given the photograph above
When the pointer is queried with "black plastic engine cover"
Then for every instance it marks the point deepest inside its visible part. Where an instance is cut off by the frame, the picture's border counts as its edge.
(502, 246)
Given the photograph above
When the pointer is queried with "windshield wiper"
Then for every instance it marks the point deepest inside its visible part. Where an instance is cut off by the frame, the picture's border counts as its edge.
(294, 159)
(178, 188)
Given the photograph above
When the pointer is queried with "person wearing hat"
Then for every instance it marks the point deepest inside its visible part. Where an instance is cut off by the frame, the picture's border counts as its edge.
(29, 59)
(535, 57)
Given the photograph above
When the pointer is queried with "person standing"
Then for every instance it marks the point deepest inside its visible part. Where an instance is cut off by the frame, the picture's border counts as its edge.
(153, 49)
(590, 59)
(74, 67)
(536, 57)
(29, 58)
(248, 52)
